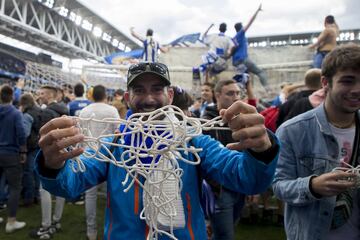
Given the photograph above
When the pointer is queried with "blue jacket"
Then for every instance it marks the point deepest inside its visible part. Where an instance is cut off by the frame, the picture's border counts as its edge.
(12, 131)
(238, 171)
(308, 148)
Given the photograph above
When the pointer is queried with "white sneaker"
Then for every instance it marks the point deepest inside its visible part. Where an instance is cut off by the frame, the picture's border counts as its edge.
(91, 236)
(1, 219)
(11, 227)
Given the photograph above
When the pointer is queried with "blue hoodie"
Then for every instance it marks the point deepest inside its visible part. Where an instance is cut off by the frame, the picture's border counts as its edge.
(12, 131)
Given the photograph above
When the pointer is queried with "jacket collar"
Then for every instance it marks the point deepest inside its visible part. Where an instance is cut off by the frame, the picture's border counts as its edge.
(323, 121)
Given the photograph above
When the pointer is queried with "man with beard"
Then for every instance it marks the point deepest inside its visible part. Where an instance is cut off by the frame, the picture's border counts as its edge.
(321, 203)
(148, 88)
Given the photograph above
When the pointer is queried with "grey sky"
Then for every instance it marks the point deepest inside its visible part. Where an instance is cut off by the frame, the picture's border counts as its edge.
(172, 18)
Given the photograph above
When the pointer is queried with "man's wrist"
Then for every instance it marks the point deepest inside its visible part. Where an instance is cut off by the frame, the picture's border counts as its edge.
(311, 189)
(44, 170)
(269, 154)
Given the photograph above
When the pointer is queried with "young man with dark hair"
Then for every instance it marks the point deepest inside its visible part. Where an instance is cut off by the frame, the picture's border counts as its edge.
(321, 203)
(207, 97)
(99, 93)
(80, 101)
(47, 96)
(12, 153)
(249, 171)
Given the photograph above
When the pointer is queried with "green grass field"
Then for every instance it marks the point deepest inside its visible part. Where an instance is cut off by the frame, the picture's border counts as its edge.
(74, 226)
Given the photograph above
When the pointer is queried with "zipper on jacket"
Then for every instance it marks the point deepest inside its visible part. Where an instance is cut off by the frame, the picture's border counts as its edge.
(188, 207)
(147, 230)
(110, 216)
(136, 198)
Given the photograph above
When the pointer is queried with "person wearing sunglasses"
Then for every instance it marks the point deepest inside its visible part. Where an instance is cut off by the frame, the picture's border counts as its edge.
(246, 166)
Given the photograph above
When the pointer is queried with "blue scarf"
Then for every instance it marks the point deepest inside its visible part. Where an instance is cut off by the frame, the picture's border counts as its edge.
(148, 141)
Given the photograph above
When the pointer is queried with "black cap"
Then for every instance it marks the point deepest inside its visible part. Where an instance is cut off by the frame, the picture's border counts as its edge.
(155, 68)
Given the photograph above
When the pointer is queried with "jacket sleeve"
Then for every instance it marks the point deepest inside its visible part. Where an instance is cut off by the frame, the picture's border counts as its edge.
(28, 121)
(20, 129)
(237, 171)
(70, 184)
(287, 185)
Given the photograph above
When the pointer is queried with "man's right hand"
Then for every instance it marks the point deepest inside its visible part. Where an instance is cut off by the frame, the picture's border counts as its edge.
(332, 183)
(55, 136)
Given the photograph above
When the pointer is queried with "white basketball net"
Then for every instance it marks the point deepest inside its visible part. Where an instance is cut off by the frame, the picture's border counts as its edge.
(350, 169)
(152, 143)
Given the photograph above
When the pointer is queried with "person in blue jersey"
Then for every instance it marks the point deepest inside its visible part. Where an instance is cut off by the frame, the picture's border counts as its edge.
(240, 51)
(151, 46)
(247, 165)
(79, 102)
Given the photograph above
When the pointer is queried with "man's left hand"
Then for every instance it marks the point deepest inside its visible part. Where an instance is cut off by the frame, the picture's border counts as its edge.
(247, 127)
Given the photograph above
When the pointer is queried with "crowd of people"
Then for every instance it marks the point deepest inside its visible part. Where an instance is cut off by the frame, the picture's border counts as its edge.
(302, 146)
(25, 114)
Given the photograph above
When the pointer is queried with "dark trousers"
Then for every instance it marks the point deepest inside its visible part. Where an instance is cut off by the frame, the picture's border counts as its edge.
(12, 170)
(227, 211)
(30, 188)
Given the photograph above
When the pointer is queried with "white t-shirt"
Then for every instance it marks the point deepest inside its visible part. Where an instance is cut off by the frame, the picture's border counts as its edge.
(100, 111)
(219, 43)
(350, 230)
(345, 138)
